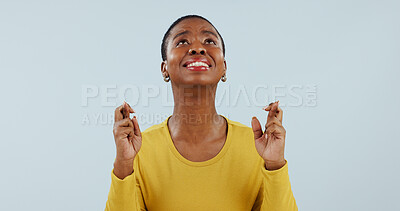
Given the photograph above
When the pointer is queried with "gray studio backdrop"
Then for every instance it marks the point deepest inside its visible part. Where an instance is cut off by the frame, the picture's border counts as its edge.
(334, 65)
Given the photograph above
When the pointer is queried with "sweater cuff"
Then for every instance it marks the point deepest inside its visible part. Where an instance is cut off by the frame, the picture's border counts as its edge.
(279, 175)
(121, 182)
(122, 193)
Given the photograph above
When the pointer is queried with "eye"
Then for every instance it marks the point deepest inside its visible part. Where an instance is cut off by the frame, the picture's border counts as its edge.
(210, 41)
(182, 42)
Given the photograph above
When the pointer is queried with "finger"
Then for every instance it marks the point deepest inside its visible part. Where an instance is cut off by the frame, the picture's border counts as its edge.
(275, 129)
(136, 126)
(118, 113)
(268, 107)
(272, 112)
(279, 114)
(126, 132)
(130, 109)
(125, 110)
(124, 123)
(273, 121)
(255, 124)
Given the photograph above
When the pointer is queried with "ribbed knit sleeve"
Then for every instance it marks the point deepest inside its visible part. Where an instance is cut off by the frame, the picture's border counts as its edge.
(276, 193)
(124, 195)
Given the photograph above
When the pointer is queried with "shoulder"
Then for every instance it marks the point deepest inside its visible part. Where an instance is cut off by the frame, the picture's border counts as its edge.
(153, 141)
(240, 132)
(156, 134)
(239, 127)
(154, 130)
(242, 141)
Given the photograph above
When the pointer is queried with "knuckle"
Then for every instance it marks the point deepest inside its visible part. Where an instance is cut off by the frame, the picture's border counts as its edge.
(128, 121)
(274, 127)
(270, 124)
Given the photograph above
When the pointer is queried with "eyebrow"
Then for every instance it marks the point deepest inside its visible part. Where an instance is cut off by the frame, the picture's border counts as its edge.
(209, 32)
(186, 32)
(180, 34)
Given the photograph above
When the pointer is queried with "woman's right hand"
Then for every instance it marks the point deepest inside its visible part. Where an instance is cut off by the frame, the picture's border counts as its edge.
(128, 140)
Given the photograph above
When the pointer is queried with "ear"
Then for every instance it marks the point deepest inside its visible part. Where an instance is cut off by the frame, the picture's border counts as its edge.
(164, 68)
(225, 66)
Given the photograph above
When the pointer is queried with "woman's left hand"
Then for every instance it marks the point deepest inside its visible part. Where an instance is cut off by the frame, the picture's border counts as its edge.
(270, 144)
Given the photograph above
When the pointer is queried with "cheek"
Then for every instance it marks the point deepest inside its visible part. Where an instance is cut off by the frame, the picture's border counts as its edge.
(218, 57)
(171, 58)
(174, 57)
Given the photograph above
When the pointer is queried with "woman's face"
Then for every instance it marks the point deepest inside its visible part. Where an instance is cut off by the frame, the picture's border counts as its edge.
(194, 54)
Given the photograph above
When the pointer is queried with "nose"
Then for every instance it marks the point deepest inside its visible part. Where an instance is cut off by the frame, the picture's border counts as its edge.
(198, 49)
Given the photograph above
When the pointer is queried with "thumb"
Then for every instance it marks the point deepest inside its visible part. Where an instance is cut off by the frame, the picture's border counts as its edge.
(255, 124)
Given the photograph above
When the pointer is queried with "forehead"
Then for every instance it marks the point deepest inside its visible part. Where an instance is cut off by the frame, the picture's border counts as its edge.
(192, 25)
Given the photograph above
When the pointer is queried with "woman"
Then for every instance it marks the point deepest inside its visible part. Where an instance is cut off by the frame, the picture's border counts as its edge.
(197, 159)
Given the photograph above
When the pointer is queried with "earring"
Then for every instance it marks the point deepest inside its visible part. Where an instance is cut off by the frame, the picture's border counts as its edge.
(166, 78)
(223, 78)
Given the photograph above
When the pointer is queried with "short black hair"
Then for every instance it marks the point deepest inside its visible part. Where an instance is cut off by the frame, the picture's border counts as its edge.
(166, 35)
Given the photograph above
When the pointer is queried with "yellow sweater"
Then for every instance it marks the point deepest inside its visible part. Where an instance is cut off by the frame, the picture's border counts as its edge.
(235, 179)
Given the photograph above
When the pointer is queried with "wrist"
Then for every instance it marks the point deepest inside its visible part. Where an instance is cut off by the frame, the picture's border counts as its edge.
(123, 168)
(274, 165)
(123, 161)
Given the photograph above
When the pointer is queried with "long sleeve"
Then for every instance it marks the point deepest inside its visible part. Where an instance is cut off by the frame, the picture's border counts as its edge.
(124, 195)
(276, 193)
(233, 180)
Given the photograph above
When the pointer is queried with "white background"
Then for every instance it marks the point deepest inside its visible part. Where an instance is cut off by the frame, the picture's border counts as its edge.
(342, 151)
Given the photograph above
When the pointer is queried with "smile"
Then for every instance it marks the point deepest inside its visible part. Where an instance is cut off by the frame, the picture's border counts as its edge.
(197, 65)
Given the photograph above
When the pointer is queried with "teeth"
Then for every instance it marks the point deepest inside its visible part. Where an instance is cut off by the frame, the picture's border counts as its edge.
(197, 64)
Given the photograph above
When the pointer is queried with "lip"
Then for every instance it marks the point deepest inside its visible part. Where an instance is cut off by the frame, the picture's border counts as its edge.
(198, 68)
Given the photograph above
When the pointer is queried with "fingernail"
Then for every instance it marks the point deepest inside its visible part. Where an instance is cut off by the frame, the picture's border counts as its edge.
(265, 107)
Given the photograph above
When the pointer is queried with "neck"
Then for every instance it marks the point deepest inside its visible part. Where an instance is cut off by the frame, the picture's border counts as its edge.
(194, 111)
